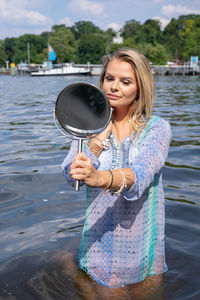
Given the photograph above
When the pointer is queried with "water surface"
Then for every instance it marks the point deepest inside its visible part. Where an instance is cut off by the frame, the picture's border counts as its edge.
(40, 215)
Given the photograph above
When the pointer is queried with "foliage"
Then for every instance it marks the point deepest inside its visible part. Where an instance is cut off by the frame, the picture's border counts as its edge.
(149, 32)
(84, 42)
(3, 56)
(83, 28)
(130, 29)
(92, 48)
(157, 55)
(181, 37)
(9, 46)
(63, 42)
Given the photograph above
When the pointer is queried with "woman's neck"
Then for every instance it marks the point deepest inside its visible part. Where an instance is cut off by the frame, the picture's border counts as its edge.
(121, 128)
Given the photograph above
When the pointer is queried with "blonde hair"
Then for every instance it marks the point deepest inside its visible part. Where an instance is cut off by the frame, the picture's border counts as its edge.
(144, 102)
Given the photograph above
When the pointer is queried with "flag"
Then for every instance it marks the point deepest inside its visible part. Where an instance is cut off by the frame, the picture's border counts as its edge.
(51, 53)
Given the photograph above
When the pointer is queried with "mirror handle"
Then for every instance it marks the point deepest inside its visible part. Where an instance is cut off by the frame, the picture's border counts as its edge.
(80, 147)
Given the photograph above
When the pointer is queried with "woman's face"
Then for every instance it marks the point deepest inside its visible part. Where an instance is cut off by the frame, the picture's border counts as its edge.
(120, 84)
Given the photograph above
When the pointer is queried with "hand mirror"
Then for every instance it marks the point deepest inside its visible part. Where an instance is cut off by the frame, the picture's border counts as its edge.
(83, 111)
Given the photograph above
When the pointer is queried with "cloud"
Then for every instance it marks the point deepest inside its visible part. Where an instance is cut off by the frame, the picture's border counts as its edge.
(114, 26)
(65, 21)
(176, 10)
(163, 21)
(14, 12)
(86, 7)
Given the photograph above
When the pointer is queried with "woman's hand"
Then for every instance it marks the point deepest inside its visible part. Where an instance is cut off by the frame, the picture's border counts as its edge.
(83, 169)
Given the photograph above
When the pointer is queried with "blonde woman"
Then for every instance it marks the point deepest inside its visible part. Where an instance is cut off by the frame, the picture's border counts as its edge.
(123, 237)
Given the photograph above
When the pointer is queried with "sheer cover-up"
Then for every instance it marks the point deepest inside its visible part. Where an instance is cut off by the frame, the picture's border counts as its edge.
(123, 236)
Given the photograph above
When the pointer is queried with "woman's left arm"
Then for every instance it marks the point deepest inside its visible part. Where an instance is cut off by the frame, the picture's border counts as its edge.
(150, 158)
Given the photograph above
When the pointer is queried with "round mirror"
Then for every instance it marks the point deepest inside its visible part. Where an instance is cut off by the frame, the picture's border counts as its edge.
(83, 110)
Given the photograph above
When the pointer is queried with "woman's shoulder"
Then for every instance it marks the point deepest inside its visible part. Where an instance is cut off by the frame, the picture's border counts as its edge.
(156, 121)
(156, 126)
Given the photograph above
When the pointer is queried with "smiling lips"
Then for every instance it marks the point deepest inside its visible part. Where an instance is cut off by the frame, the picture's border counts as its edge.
(113, 96)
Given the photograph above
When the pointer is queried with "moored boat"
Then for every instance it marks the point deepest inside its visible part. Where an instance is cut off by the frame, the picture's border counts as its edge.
(66, 69)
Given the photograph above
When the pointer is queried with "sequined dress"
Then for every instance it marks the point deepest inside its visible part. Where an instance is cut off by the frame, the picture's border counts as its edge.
(123, 236)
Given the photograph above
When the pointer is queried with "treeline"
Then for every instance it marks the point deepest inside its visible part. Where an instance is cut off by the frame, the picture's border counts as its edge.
(84, 42)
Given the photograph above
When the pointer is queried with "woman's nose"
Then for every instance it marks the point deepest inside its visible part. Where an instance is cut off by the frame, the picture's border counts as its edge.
(114, 86)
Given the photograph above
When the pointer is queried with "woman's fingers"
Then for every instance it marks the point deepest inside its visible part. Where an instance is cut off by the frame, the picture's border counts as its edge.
(81, 167)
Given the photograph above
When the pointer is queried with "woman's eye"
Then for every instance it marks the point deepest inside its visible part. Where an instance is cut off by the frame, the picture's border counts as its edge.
(108, 78)
(126, 82)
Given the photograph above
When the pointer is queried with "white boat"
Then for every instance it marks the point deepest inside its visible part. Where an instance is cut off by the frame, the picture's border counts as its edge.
(66, 69)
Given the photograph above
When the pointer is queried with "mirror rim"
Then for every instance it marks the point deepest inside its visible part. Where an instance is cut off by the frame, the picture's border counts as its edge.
(90, 133)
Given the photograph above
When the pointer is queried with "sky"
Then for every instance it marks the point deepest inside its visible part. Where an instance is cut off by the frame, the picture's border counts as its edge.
(18, 17)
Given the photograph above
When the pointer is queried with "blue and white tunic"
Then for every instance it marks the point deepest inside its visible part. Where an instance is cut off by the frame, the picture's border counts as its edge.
(123, 236)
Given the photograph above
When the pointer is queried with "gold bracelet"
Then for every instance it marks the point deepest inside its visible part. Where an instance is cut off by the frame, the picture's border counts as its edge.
(110, 181)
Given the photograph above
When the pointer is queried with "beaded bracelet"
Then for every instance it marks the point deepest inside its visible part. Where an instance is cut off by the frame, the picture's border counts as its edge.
(122, 186)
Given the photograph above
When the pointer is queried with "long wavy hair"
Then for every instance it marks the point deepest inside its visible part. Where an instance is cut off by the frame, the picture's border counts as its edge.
(141, 108)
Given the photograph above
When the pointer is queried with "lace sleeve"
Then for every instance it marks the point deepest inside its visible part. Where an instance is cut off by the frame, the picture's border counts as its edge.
(150, 159)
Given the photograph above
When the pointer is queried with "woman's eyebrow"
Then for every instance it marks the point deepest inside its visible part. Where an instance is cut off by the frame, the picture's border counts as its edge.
(127, 78)
(123, 77)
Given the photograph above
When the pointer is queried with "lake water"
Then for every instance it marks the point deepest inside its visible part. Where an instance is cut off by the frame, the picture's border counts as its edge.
(41, 215)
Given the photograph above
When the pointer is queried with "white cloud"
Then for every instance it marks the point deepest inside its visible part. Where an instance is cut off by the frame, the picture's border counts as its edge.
(14, 12)
(114, 26)
(175, 10)
(65, 21)
(86, 7)
(163, 21)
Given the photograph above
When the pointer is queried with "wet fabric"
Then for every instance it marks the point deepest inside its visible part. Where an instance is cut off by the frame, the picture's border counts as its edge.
(123, 236)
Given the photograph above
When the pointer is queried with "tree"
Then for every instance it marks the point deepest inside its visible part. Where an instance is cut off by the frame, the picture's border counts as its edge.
(37, 44)
(130, 29)
(3, 56)
(155, 54)
(83, 28)
(64, 44)
(92, 47)
(182, 36)
(149, 32)
(9, 46)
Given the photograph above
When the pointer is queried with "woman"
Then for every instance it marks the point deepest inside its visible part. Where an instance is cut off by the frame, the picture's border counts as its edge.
(123, 237)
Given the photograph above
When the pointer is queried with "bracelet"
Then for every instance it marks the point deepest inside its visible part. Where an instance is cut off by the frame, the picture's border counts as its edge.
(111, 180)
(122, 186)
(105, 143)
(95, 149)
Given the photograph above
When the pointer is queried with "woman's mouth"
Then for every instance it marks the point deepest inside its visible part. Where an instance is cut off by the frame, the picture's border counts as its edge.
(113, 96)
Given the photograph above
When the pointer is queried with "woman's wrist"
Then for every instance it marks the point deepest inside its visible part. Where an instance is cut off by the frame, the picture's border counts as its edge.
(104, 179)
(103, 142)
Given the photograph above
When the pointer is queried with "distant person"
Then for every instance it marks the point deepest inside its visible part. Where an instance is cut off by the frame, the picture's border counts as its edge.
(123, 236)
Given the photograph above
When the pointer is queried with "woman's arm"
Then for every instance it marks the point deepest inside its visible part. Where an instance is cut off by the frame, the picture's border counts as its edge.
(150, 159)
(115, 180)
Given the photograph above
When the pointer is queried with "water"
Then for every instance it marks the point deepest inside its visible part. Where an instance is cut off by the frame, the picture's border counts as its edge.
(40, 215)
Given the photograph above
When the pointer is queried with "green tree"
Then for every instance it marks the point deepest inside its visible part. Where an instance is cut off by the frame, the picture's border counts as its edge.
(92, 47)
(9, 46)
(37, 44)
(181, 37)
(150, 32)
(64, 44)
(157, 55)
(3, 56)
(130, 29)
(83, 28)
